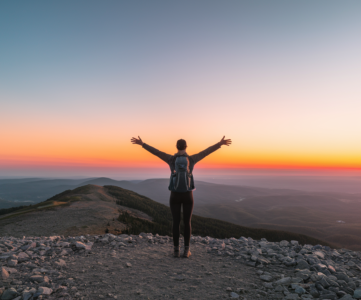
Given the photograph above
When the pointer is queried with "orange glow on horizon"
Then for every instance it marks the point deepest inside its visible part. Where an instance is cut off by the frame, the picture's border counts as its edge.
(104, 151)
(154, 162)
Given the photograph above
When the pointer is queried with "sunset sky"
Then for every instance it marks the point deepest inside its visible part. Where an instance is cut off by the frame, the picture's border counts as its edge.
(78, 79)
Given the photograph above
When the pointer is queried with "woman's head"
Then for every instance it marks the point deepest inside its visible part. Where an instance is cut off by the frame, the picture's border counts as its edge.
(181, 144)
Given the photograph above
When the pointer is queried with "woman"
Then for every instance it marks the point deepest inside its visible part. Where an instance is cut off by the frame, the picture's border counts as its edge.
(186, 198)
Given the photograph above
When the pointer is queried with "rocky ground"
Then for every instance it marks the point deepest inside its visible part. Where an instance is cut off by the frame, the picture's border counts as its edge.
(142, 267)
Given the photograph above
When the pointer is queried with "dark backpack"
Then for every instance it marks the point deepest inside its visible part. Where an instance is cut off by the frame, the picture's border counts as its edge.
(181, 179)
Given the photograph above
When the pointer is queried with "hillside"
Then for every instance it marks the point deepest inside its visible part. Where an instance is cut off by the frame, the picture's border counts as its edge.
(311, 213)
(314, 214)
(84, 210)
(94, 209)
(329, 217)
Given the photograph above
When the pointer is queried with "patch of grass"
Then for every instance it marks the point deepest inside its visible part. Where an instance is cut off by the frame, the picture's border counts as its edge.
(136, 225)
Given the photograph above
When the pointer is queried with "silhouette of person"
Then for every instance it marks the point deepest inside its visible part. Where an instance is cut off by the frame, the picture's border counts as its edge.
(177, 199)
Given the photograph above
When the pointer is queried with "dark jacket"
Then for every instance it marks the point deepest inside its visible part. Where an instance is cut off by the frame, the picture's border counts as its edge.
(193, 159)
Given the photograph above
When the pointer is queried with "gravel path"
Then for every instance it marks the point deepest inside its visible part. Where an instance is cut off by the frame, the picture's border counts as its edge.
(149, 271)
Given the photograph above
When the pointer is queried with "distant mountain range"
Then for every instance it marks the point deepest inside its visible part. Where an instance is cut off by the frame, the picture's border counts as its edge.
(37, 190)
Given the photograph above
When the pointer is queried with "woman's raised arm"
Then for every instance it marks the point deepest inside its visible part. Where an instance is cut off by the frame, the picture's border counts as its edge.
(163, 156)
(211, 149)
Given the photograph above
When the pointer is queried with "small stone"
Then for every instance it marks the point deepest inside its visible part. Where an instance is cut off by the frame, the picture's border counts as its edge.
(292, 297)
(81, 245)
(63, 253)
(268, 285)
(267, 278)
(296, 280)
(357, 293)
(284, 281)
(324, 282)
(44, 291)
(4, 274)
(302, 264)
(128, 265)
(263, 261)
(331, 269)
(27, 295)
(300, 290)
(342, 276)
(279, 288)
(9, 294)
(61, 263)
(284, 243)
(12, 262)
(104, 240)
(229, 289)
(347, 297)
(23, 257)
(37, 278)
(234, 295)
(319, 254)
(251, 263)
(314, 292)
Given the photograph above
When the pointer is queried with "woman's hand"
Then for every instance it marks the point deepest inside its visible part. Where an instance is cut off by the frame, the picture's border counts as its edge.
(225, 142)
(137, 141)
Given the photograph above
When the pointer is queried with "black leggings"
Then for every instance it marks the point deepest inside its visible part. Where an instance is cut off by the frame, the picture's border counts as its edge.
(175, 202)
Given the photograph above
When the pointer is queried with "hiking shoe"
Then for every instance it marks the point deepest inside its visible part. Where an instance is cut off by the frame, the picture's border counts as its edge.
(176, 252)
(187, 252)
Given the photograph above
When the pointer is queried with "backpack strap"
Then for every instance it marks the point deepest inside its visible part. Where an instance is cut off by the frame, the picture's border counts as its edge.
(188, 170)
(172, 164)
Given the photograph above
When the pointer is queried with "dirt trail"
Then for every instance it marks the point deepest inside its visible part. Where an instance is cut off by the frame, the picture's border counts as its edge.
(154, 273)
